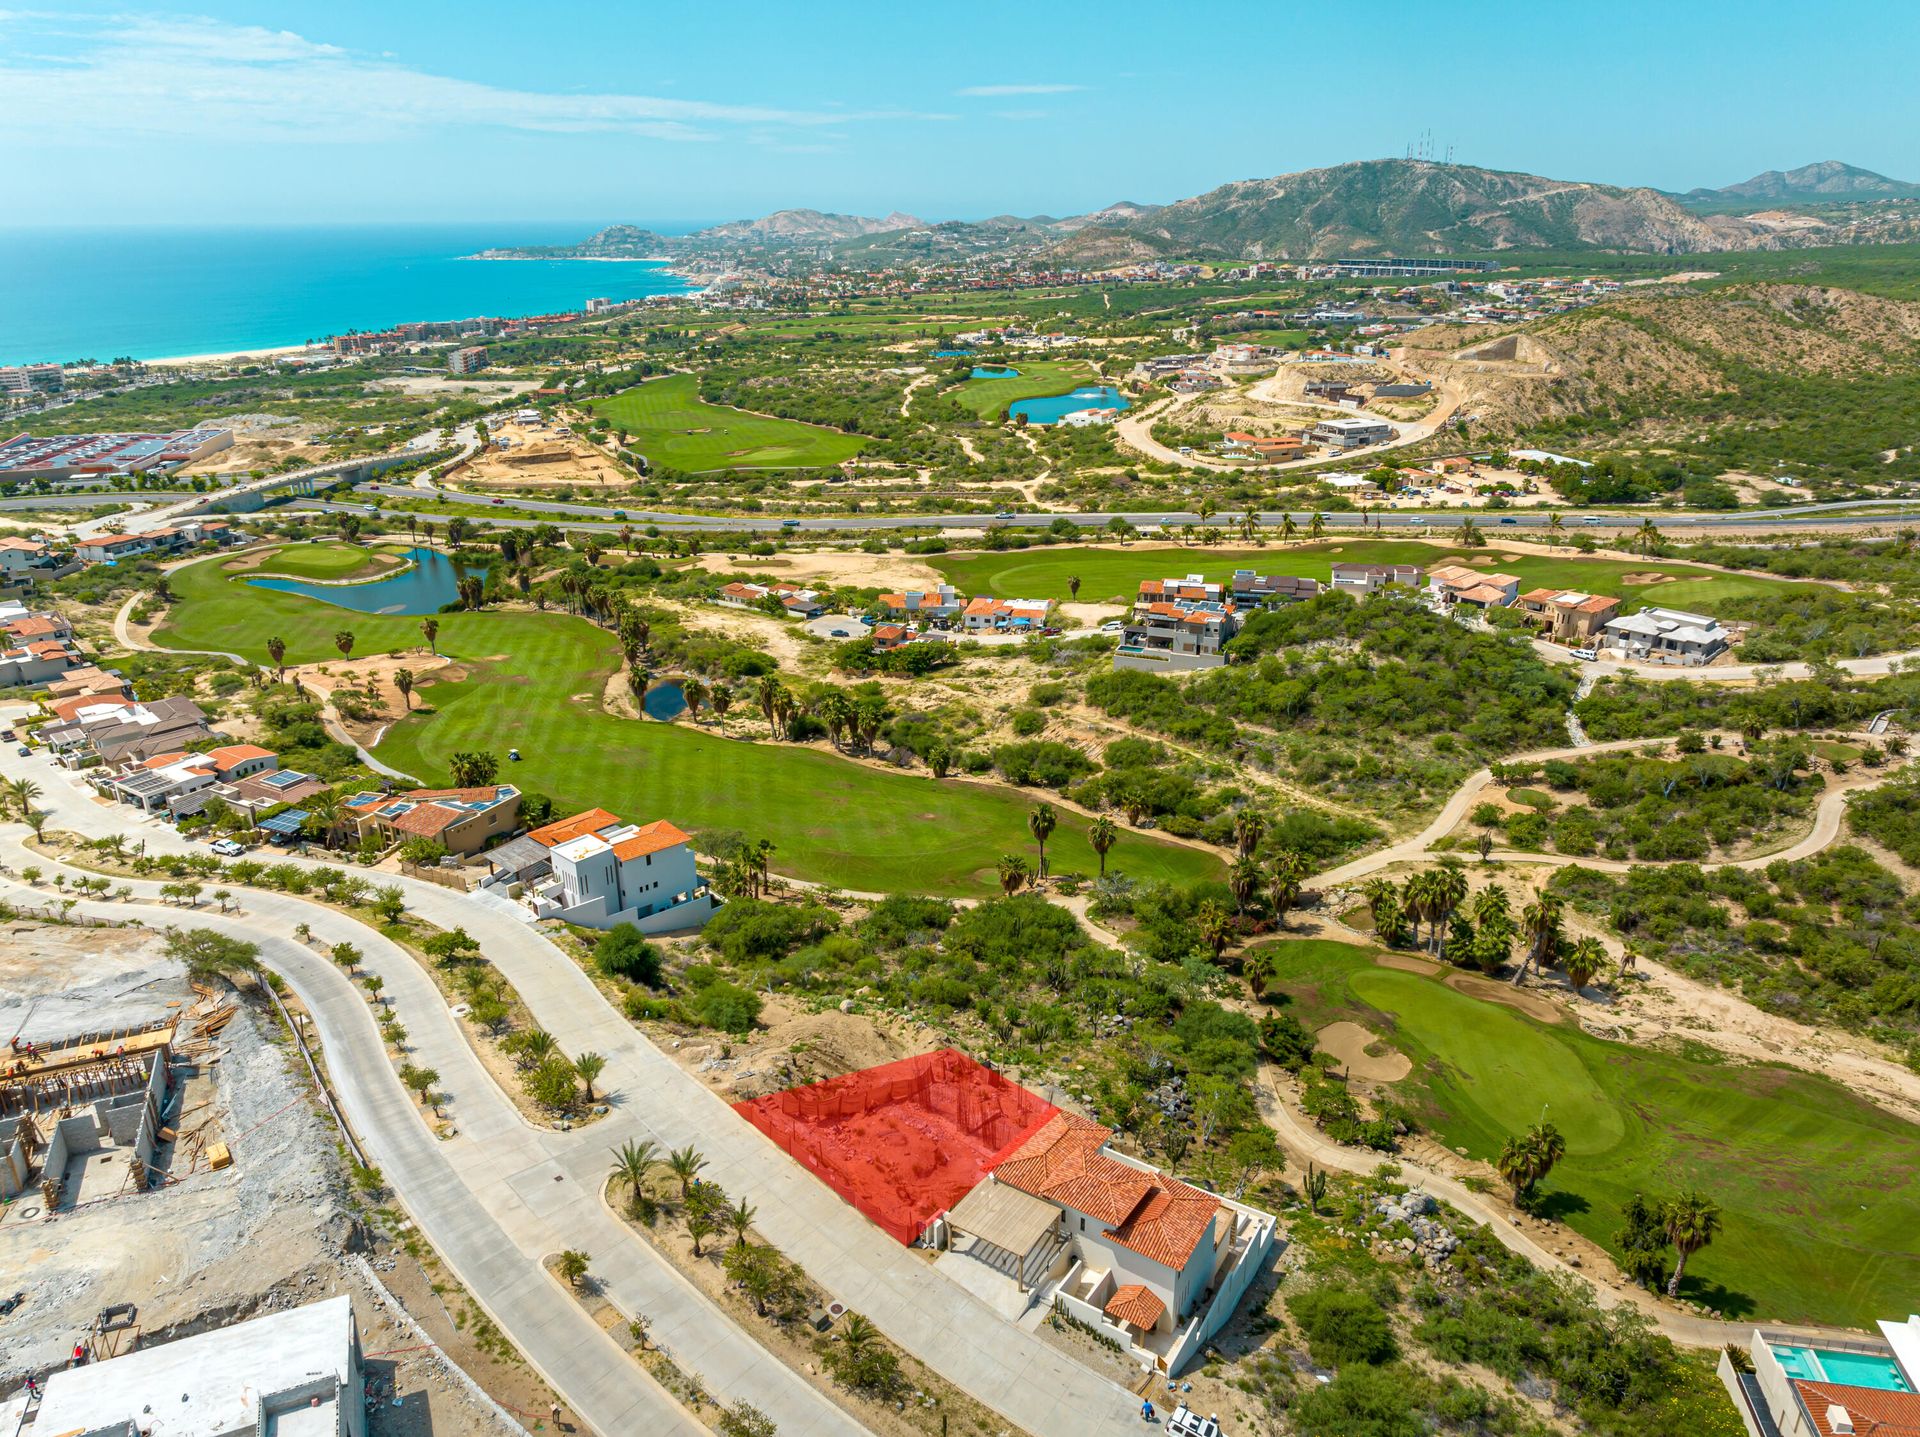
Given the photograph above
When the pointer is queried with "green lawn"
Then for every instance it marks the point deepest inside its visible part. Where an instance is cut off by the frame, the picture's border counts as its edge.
(667, 421)
(534, 685)
(328, 561)
(1815, 1185)
(1037, 378)
(1114, 575)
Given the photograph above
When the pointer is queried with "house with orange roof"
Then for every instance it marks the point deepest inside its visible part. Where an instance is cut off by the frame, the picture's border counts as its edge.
(985, 615)
(1451, 584)
(1178, 624)
(1150, 1262)
(1568, 614)
(919, 604)
(605, 871)
(181, 781)
(1795, 1385)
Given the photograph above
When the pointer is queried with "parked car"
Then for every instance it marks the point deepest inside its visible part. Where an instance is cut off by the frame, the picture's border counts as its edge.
(1588, 654)
(1112, 626)
(24, 751)
(227, 848)
(838, 634)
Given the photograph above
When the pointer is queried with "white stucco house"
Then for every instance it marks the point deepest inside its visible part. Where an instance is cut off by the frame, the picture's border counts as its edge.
(1151, 1263)
(1671, 636)
(607, 871)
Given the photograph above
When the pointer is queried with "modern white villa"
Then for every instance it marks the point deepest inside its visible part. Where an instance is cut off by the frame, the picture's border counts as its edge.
(1671, 636)
(1797, 1386)
(607, 871)
(1152, 1264)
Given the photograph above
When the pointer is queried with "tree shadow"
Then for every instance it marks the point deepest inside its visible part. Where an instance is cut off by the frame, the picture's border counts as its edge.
(1558, 1205)
(1721, 1299)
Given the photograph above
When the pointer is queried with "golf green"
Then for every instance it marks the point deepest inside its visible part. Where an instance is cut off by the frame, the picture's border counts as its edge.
(328, 561)
(1814, 1184)
(1113, 575)
(666, 420)
(533, 681)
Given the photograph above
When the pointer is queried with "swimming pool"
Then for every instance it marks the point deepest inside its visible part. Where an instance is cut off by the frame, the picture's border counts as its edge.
(1848, 1369)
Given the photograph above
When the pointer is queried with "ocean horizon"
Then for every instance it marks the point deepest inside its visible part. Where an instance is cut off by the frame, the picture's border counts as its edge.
(73, 294)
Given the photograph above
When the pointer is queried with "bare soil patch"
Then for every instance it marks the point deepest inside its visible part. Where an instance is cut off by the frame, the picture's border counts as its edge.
(1350, 1043)
(1406, 963)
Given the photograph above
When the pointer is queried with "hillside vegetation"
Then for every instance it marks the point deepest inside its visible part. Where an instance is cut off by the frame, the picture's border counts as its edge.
(1824, 380)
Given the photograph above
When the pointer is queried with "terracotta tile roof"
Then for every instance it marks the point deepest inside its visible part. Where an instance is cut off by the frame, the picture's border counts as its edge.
(1482, 594)
(566, 829)
(164, 759)
(1169, 1224)
(238, 753)
(12, 541)
(1136, 1304)
(1598, 604)
(34, 625)
(426, 820)
(1540, 596)
(67, 708)
(1875, 1413)
(1063, 1163)
(484, 794)
(654, 838)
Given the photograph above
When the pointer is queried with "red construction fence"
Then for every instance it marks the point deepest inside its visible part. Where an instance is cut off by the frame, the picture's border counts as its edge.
(905, 1141)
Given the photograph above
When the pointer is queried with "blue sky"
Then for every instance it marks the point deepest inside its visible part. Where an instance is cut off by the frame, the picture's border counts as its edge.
(362, 110)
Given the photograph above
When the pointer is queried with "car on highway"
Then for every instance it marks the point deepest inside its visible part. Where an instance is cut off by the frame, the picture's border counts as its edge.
(1003, 514)
(499, 501)
(789, 523)
(1590, 519)
(371, 508)
(1416, 519)
(1509, 519)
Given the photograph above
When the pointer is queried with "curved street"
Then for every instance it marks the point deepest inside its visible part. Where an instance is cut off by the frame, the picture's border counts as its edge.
(503, 1194)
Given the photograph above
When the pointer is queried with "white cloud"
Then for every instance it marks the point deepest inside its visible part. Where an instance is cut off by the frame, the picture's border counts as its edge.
(182, 77)
(995, 92)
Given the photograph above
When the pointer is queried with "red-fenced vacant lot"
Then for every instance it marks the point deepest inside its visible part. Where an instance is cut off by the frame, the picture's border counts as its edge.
(905, 1141)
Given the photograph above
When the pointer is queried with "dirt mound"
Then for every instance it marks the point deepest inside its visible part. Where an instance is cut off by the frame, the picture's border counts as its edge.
(802, 1047)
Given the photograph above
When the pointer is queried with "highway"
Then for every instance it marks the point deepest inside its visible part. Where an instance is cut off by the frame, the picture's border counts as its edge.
(1846, 513)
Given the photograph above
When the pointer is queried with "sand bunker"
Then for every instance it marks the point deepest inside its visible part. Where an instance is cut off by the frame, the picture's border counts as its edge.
(1349, 1042)
(1493, 991)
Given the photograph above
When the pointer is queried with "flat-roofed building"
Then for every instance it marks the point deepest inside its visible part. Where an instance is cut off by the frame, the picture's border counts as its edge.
(1353, 433)
(1671, 636)
(606, 871)
(1360, 580)
(291, 1374)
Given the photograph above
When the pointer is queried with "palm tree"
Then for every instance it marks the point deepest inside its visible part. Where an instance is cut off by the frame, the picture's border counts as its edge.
(1448, 892)
(700, 1226)
(1317, 526)
(1468, 534)
(685, 1164)
(1102, 834)
(858, 1334)
(277, 651)
(403, 681)
(1379, 893)
(589, 1066)
(323, 810)
(1284, 882)
(21, 794)
(1014, 873)
(1041, 819)
(1215, 927)
(430, 630)
(1515, 1166)
(1242, 879)
(1073, 585)
(721, 697)
(1540, 922)
(343, 641)
(1584, 960)
(1416, 901)
(740, 1218)
(1248, 829)
(1692, 1220)
(1556, 528)
(1288, 529)
(1647, 537)
(632, 1161)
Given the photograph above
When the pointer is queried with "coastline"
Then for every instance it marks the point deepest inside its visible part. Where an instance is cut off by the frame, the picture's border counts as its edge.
(270, 351)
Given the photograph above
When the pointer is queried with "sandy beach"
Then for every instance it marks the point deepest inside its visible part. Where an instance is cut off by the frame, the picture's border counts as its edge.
(187, 361)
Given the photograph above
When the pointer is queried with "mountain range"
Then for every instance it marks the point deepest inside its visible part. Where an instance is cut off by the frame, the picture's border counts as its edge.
(1370, 207)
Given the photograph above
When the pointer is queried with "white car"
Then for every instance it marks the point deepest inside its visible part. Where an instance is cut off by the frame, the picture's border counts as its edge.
(1590, 655)
(227, 848)
(1112, 626)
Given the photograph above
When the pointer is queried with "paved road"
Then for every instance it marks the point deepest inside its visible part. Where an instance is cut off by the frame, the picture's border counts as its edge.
(1025, 1379)
(1878, 666)
(1844, 514)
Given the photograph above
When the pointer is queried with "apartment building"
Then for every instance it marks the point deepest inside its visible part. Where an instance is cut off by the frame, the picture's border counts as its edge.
(19, 381)
(470, 360)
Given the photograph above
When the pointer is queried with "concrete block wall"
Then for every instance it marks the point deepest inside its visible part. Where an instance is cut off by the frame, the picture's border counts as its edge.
(13, 1157)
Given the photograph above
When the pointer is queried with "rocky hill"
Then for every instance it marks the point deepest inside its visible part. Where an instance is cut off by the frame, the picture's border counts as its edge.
(1827, 181)
(1411, 207)
(802, 227)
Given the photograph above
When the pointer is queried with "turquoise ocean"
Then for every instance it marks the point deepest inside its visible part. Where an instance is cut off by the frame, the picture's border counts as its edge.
(68, 294)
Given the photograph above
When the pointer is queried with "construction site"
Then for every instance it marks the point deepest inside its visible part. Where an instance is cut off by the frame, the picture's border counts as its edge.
(905, 1141)
(166, 1171)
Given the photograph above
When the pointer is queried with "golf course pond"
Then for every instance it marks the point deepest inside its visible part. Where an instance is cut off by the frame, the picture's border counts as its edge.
(428, 584)
(1052, 408)
(664, 701)
(995, 371)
